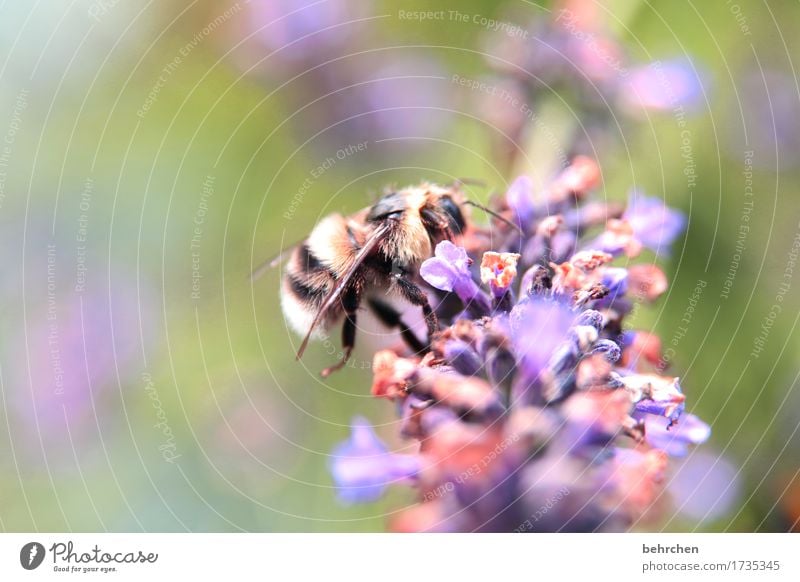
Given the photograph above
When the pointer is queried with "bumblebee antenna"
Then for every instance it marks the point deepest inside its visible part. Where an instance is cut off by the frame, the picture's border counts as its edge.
(496, 215)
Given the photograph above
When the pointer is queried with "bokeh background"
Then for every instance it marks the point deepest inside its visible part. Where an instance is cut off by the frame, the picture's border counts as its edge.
(154, 153)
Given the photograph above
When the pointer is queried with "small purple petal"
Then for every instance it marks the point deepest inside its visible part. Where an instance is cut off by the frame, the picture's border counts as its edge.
(362, 466)
(628, 336)
(448, 268)
(563, 245)
(438, 273)
(664, 86)
(656, 395)
(303, 28)
(675, 440)
(609, 243)
(539, 327)
(706, 487)
(666, 409)
(616, 279)
(453, 254)
(520, 199)
(653, 222)
(462, 357)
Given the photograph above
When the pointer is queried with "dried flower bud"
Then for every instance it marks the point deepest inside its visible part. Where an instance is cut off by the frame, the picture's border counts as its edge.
(391, 374)
(499, 269)
(590, 260)
(646, 281)
(581, 176)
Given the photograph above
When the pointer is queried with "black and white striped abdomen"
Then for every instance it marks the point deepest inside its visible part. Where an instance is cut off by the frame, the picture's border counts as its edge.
(306, 283)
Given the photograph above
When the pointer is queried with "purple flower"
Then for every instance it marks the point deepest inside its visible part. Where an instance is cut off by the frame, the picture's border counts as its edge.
(675, 439)
(75, 354)
(705, 487)
(362, 466)
(663, 86)
(462, 357)
(539, 330)
(449, 270)
(616, 280)
(394, 111)
(310, 27)
(656, 395)
(347, 93)
(654, 224)
(773, 120)
(647, 221)
(519, 198)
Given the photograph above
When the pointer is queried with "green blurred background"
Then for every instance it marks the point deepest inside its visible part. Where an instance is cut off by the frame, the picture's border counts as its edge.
(155, 153)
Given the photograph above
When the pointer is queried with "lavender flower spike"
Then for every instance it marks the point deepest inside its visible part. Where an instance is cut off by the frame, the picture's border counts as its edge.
(543, 398)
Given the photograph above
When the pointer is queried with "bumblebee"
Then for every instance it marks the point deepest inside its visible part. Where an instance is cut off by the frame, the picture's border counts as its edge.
(369, 256)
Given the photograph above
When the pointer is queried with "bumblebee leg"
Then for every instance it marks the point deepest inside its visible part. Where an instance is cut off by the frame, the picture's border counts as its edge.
(416, 296)
(350, 303)
(390, 317)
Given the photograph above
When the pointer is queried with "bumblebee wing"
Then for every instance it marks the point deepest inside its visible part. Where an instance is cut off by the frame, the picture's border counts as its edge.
(281, 257)
(375, 238)
(470, 182)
